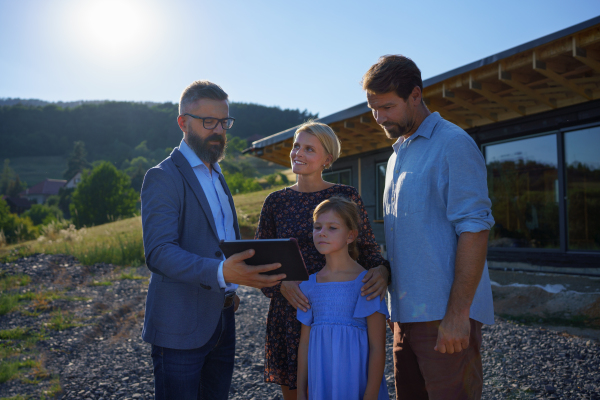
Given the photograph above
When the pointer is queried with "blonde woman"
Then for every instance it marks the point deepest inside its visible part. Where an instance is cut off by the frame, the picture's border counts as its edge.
(288, 213)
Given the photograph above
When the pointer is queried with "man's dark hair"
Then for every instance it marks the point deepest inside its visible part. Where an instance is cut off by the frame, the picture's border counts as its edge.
(200, 90)
(393, 73)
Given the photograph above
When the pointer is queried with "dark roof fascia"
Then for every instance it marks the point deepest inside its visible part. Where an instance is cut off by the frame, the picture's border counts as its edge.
(363, 107)
(288, 133)
(511, 52)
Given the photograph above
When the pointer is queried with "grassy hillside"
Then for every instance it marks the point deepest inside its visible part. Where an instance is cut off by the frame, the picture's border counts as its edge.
(120, 242)
(33, 170)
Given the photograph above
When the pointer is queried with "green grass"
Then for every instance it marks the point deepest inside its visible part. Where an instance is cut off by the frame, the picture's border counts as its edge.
(248, 207)
(10, 301)
(8, 282)
(10, 369)
(100, 283)
(62, 320)
(129, 275)
(54, 389)
(14, 334)
(41, 300)
(118, 242)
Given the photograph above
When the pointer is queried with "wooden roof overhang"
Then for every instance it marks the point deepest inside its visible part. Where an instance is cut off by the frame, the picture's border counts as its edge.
(558, 70)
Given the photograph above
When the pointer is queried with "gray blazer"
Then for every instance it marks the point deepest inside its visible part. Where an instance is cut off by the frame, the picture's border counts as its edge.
(181, 246)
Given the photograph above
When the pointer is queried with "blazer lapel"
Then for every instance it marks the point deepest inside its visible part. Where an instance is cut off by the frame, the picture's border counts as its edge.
(188, 174)
(228, 193)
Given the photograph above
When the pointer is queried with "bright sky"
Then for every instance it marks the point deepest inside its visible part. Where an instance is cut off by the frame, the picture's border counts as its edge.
(293, 54)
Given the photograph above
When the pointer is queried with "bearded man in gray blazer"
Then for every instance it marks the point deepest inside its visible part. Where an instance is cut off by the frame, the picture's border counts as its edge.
(187, 209)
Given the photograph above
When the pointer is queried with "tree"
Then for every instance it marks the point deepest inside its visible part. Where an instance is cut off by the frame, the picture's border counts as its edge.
(103, 195)
(15, 187)
(136, 170)
(6, 176)
(77, 161)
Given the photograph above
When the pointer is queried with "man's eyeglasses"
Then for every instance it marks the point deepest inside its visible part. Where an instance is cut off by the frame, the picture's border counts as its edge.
(211, 123)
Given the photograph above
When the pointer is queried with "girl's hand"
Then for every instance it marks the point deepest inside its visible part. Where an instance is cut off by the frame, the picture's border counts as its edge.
(376, 283)
(291, 291)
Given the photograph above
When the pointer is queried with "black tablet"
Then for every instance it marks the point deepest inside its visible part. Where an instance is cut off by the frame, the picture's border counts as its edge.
(269, 251)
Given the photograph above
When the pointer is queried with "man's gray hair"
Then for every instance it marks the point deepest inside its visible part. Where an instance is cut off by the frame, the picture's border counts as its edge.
(200, 90)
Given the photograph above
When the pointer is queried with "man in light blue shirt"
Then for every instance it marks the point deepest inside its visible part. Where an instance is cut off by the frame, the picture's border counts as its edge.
(187, 209)
(437, 216)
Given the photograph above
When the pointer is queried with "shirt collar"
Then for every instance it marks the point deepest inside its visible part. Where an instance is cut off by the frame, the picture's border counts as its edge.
(191, 157)
(425, 130)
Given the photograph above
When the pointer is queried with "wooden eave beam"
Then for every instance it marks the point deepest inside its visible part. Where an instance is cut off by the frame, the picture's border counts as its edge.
(510, 79)
(437, 105)
(480, 89)
(454, 98)
(544, 69)
(585, 56)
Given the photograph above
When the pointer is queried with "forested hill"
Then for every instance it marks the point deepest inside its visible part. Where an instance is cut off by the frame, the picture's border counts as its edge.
(111, 130)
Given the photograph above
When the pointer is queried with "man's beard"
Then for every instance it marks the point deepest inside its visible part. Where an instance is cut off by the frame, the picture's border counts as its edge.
(209, 153)
(394, 130)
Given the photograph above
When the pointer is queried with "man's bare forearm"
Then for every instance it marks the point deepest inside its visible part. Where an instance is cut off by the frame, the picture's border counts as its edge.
(471, 252)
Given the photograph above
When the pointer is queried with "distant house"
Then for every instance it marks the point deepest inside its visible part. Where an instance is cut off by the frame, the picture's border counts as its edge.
(40, 192)
(17, 205)
(74, 181)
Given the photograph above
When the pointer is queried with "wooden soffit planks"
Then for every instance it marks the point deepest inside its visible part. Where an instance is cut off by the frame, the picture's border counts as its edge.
(554, 75)
(558, 74)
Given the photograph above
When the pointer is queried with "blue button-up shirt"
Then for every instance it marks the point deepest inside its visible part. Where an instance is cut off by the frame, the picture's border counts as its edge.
(217, 199)
(435, 189)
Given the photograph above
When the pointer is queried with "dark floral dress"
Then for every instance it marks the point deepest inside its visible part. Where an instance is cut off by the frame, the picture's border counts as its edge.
(288, 213)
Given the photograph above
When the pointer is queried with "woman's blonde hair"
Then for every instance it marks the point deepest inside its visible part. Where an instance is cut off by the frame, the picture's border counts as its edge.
(348, 211)
(326, 135)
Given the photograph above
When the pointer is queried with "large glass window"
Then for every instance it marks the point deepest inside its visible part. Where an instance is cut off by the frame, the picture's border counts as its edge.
(380, 179)
(523, 187)
(582, 159)
(343, 176)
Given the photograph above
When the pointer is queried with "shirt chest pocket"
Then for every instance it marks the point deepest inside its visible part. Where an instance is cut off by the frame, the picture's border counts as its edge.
(413, 192)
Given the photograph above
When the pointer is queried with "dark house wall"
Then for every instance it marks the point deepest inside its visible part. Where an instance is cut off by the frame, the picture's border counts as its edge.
(579, 115)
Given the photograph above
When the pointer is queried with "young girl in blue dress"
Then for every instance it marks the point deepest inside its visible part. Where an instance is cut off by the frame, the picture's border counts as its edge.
(342, 340)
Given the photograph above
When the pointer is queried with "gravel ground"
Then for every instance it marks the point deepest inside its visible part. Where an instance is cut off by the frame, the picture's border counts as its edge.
(105, 358)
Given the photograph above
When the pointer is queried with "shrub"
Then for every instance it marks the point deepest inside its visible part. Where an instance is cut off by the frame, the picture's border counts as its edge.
(41, 214)
(238, 183)
(14, 228)
(103, 195)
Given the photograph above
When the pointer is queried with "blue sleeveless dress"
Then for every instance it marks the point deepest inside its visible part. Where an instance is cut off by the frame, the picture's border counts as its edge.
(338, 350)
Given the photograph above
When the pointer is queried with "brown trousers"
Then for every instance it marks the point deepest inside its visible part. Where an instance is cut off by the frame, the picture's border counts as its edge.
(422, 373)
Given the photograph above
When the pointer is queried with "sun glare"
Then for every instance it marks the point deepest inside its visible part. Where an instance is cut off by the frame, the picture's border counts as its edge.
(112, 29)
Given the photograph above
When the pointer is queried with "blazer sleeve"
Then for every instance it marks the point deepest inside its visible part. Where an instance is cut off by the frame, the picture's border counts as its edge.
(267, 230)
(161, 211)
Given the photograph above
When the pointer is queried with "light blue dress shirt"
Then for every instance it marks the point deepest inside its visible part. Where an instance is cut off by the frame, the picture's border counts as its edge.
(435, 189)
(218, 200)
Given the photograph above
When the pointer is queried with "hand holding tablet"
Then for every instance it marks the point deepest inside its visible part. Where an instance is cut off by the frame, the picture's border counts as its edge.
(235, 270)
(267, 253)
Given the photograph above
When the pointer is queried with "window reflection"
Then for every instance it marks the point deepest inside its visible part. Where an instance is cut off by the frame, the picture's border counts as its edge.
(523, 187)
(582, 156)
(344, 177)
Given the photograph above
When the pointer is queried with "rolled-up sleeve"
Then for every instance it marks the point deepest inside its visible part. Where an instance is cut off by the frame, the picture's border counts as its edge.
(468, 204)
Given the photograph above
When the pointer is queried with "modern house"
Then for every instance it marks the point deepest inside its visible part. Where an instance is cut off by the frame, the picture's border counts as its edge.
(74, 181)
(534, 110)
(40, 192)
